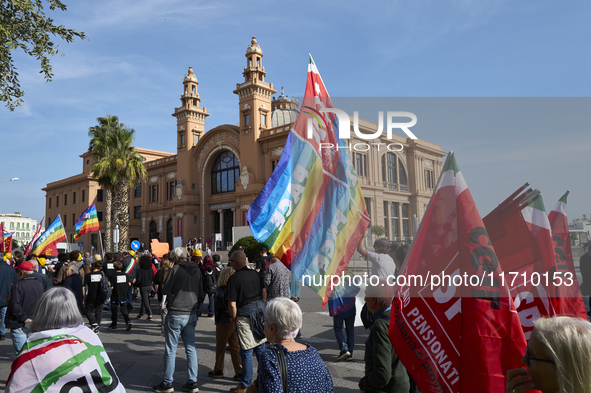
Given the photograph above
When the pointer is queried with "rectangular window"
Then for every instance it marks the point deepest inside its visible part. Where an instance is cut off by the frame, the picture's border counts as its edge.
(48, 222)
(154, 193)
(83, 192)
(65, 220)
(394, 228)
(359, 164)
(246, 120)
(273, 165)
(65, 199)
(405, 210)
(99, 195)
(195, 139)
(137, 212)
(263, 119)
(49, 204)
(74, 197)
(138, 191)
(57, 201)
(182, 139)
(365, 165)
(405, 220)
(429, 178)
(74, 218)
(99, 215)
(171, 189)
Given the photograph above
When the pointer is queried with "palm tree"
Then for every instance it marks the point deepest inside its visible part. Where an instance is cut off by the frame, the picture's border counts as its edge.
(103, 173)
(117, 167)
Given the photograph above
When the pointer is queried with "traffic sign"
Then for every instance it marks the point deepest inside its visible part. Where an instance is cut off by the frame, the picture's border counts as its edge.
(135, 245)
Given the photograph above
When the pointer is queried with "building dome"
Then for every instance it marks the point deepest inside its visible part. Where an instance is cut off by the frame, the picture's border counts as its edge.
(284, 110)
(254, 47)
(190, 76)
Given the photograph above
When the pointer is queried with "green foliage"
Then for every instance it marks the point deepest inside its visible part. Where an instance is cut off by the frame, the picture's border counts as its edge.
(251, 248)
(378, 230)
(24, 26)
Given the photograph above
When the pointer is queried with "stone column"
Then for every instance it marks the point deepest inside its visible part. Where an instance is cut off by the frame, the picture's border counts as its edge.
(221, 211)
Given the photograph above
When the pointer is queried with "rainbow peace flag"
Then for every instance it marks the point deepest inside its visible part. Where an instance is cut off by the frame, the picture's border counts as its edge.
(54, 234)
(88, 222)
(311, 213)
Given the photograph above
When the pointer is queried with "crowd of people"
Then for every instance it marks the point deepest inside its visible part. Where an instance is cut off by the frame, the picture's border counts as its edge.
(256, 316)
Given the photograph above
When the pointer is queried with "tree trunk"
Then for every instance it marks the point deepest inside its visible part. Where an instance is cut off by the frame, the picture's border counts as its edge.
(108, 220)
(122, 213)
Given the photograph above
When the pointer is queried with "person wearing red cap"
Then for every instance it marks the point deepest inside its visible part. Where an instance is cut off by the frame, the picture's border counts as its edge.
(24, 295)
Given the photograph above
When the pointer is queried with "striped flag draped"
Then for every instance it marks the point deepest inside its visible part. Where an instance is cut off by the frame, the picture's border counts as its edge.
(88, 222)
(311, 213)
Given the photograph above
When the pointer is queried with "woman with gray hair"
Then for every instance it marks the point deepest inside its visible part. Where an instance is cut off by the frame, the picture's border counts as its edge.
(558, 358)
(61, 353)
(306, 372)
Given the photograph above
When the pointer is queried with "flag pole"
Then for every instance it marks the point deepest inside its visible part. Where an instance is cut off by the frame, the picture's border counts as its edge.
(101, 243)
(67, 241)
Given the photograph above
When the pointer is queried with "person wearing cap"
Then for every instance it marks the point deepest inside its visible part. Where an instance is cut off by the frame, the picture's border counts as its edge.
(7, 277)
(24, 295)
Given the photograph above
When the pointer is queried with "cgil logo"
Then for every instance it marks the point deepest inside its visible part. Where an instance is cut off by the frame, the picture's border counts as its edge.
(318, 132)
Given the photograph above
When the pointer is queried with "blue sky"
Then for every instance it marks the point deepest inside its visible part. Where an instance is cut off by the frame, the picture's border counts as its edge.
(137, 54)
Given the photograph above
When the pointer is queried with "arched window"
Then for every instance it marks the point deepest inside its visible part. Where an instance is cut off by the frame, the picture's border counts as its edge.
(153, 233)
(224, 173)
(402, 177)
(169, 233)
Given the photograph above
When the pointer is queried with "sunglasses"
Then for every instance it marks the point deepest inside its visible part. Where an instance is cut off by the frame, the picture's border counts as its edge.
(528, 357)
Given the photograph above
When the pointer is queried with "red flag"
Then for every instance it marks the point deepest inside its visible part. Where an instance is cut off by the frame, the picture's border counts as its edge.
(523, 247)
(8, 244)
(35, 236)
(458, 329)
(570, 300)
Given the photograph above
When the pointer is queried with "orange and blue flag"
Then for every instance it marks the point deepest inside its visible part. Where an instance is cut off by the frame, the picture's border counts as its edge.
(88, 222)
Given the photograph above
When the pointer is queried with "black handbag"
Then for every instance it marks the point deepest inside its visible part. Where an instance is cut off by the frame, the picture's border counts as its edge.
(280, 356)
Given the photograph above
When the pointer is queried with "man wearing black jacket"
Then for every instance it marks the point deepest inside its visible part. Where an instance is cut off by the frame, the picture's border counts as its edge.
(183, 287)
(24, 295)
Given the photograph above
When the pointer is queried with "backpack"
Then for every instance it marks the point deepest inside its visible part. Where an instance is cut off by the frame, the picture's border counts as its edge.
(210, 285)
(105, 292)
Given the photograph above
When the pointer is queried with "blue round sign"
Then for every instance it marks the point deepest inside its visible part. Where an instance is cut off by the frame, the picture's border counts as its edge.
(135, 245)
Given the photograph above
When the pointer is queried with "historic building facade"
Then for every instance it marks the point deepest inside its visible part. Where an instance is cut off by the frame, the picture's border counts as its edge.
(214, 177)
